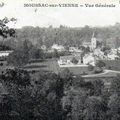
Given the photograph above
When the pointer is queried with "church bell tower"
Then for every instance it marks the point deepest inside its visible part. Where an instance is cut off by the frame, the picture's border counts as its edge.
(93, 42)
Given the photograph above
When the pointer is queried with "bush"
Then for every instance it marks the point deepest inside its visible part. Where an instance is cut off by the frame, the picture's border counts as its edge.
(100, 64)
(90, 67)
(98, 70)
(74, 60)
(84, 73)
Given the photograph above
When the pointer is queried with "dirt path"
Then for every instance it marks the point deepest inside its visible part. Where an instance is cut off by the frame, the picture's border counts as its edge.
(101, 74)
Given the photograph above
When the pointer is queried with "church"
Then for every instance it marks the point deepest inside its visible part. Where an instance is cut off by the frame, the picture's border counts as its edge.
(92, 44)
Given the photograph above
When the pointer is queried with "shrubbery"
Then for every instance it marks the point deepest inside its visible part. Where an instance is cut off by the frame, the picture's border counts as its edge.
(74, 60)
(98, 70)
(90, 67)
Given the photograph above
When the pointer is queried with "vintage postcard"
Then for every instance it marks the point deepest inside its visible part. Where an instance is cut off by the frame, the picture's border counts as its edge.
(59, 59)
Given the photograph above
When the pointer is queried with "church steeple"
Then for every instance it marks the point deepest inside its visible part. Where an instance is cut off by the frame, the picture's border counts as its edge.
(93, 42)
(93, 35)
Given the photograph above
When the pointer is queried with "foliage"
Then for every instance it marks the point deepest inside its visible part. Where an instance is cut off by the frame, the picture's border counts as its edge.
(18, 58)
(100, 64)
(67, 77)
(55, 53)
(98, 86)
(114, 107)
(48, 96)
(5, 30)
(73, 104)
(98, 70)
(33, 98)
(17, 76)
(74, 60)
(24, 54)
(115, 85)
(68, 36)
(94, 109)
(78, 81)
(90, 67)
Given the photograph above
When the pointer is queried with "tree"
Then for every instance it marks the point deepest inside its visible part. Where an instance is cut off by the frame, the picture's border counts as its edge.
(17, 58)
(98, 86)
(114, 107)
(36, 53)
(73, 103)
(117, 42)
(90, 67)
(115, 85)
(30, 99)
(74, 60)
(106, 49)
(78, 81)
(99, 44)
(4, 29)
(87, 50)
(5, 107)
(67, 77)
(17, 76)
(26, 52)
(98, 70)
(55, 53)
(100, 64)
(94, 109)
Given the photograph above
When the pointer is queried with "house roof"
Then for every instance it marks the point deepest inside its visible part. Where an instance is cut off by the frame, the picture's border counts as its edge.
(56, 46)
(86, 43)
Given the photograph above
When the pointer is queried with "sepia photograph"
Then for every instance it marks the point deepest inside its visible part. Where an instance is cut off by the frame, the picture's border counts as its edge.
(59, 60)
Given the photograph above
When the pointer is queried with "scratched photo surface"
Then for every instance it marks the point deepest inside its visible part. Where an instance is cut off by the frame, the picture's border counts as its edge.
(59, 60)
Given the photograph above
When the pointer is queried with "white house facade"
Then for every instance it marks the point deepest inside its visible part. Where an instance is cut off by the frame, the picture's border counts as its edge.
(57, 47)
(89, 59)
(5, 53)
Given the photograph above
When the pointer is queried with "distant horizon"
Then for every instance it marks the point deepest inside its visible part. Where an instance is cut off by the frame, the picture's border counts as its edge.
(97, 26)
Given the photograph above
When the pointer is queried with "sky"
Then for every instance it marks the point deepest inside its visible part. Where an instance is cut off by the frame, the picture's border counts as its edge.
(68, 16)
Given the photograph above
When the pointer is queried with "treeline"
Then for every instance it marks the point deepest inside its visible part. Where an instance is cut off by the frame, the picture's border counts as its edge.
(48, 96)
(68, 36)
(64, 35)
(28, 40)
(27, 52)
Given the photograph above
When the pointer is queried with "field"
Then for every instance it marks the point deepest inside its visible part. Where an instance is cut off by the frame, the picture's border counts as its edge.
(77, 70)
(52, 65)
(46, 65)
(112, 64)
